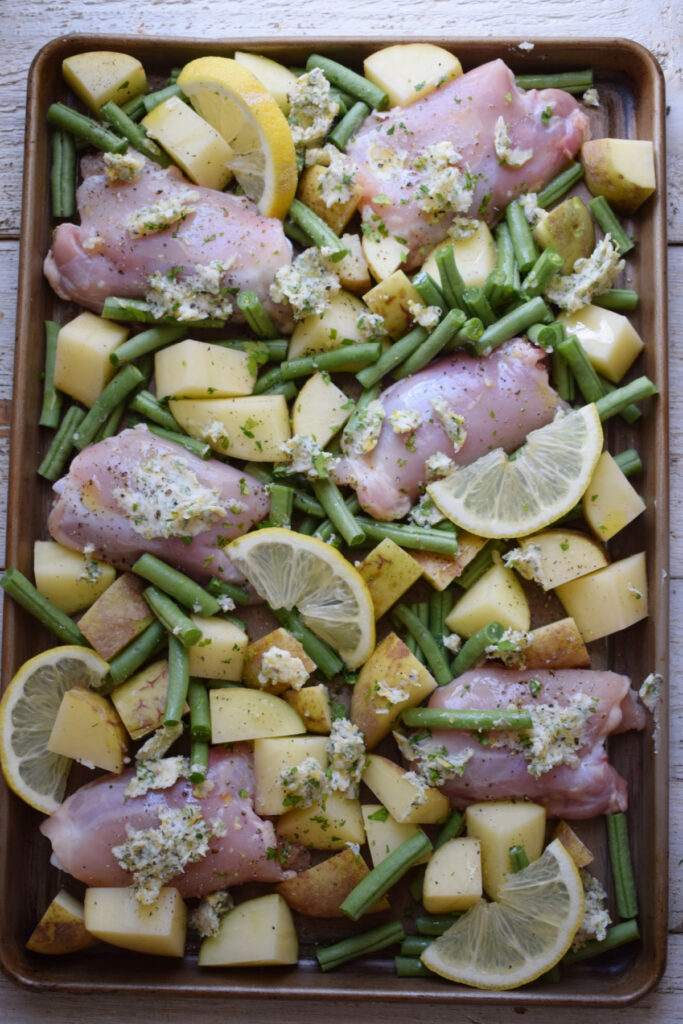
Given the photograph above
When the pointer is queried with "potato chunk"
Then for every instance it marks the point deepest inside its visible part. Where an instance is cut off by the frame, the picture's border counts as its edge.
(553, 557)
(452, 880)
(191, 141)
(610, 502)
(328, 826)
(608, 600)
(258, 931)
(114, 915)
(141, 700)
(197, 369)
(102, 75)
(385, 834)
(252, 427)
(409, 71)
(498, 825)
(278, 80)
(284, 673)
(274, 755)
(388, 571)
(390, 300)
(321, 890)
(82, 367)
(609, 339)
(496, 597)
(71, 580)
(240, 714)
(117, 617)
(88, 729)
(621, 170)
(404, 800)
(61, 928)
(337, 326)
(475, 256)
(310, 191)
(220, 652)
(320, 409)
(313, 704)
(441, 570)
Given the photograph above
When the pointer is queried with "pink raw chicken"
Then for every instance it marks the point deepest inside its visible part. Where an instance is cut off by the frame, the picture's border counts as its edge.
(502, 398)
(94, 819)
(102, 505)
(100, 258)
(463, 112)
(499, 773)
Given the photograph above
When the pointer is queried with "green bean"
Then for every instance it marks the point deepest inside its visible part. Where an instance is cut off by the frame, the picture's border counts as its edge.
(199, 761)
(175, 621)
(613, 403)
(622, 869)
(478, 305)
(200, 712)
(560, 185)
(513, 323)
(548, 264)
(518, 859)
(385, 875)
(442, 335)
(138, 311)
(256, 316)
(469, 719)
(429, 291)
(115, 391)
(452, 284)
(621, 300)
(568, 81)
(526, 250)
(178, 680)
(561, 377)
(25, 594)
(320, 232)
(470, 332)
(357, 86)
(62, 445)
(281, 502)
(392, 357)
(136, 653)
(151, 408)
(286, 387)
(548, 336)
(362, 402)
(343, 358)
(326, 530)
(153, 99)
(629, 462)
(270, 349)
(606, 218)
(359, 945)
(327, 660)
(297, 234)
(473, 650)
(618, 935)
(111, 424)
(436, 659)
(345, 129)
(329, 496)
(505, 250)
(63, 175)
(135, 108)
(219, 588)
(629, 413)
(411, 967)
(52, 398)
(435, 924)
(135, 134)
(409, 536)
(584, 373)
(496, 288)
(479, 565)
(83, 127)
(451, 829)
(413, 945)
(147, 341)
(176, 584)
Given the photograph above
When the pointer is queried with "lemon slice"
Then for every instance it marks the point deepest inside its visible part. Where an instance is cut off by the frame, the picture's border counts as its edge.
(523, 934)
(27, 713)
(293, 570)
(512, 496)
(241, 109)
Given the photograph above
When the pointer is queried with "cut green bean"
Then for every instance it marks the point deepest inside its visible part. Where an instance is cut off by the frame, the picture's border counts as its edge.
(135, 134)
(219, 588)
(315, 227)
(479, 565)
(297, 234)
(176, 622)
(136, 653)
(478, 305)
(454, 825)
(112, 422)
(176, 584)
(349, 124)
(629, 462)
(436, 659)
(548, 264)
(199, 448)
(200, 712)
(135, 108)
(560, 184)
(31, 600)
(518, 859)
(631, 412)
(343, 358)
(526, 250)
(63, 443)
(474, 649)
(510, 325)
(470, 332)
(355, 85)
(272, 349)
(496, 288)
(413, 945)
(452, 284)
(270, 378)
(63, 175)
(407, 536)
(178, 680)
(392, 357)
(153, 99)
(435, 924)
(548, 336)
(326, 530)
(83, 127)
(138, 311)
(144, 342)
(384, 935)
(151, 408)
(116, 391)
(281, 503)
(385, 875)
(620, 398)
(429, 291)
(607, 219)
(442, 335)
(618, 935)
(568, 81)
(505, 254)
(199, 761)
(561, 377)
(581, 367)
(621, 300)
(411, 967)
(356, 418)
(256, 316)
(329, 496)
(52, 398)
(471, 720)
(622, 870)
(327, 660)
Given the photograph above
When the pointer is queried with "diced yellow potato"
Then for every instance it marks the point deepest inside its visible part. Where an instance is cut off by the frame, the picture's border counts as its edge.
(220, 652)
(452, 881)
(253, 427)
(556, 645)
(102, 75)
(559, 556)
(276, 754)
(337, 326)
(253, 661)
(117, 617)
(609, 339)
(388, 571)
(409, 71)
(278, 80)
(321, 890)
(390, 680)
(441, 570)
(241, 714)
(569, 229)
(498, 825)
(384, 834)
(88, 729)
(141, 700)
(310, 192)
(313, 704)
(114, 915)
(384, 256)
(496, 597)
(82, 367)
(258, 931)
(610, 502)
(352, 270)
(390, 300)
(71, 580)
(191, 141)
(61, 928)
(402, 798)
(609, 599)
(328, 826)
(320, 409)
(578, 850)
(475, 256)
(197, 369)
(621, 170)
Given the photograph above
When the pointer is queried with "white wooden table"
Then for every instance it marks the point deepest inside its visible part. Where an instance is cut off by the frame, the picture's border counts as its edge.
(24, 28)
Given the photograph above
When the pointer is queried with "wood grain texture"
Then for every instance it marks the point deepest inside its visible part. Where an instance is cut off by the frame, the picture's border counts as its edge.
(33, 23)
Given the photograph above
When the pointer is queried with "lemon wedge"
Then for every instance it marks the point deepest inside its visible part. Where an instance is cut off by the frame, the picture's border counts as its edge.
(240, 108)
(512, 496)
(524, 933)
(293, 570)
(27, 713)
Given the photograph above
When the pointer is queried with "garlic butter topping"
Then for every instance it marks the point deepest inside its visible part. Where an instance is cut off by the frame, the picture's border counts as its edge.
(198, 296)
(312, 109)
(592, 275)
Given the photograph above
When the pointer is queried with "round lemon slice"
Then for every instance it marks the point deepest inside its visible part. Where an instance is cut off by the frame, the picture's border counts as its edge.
(524, 933)
(512, 496)
(293, 570)
(27, 713)
(241, 109)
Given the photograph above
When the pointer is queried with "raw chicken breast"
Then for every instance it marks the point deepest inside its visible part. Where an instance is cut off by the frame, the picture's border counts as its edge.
(497, 773)
(501, 397)
(136, 492)
(94, 819)
(549, 126)
(101, 258)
